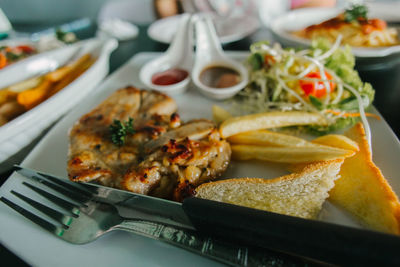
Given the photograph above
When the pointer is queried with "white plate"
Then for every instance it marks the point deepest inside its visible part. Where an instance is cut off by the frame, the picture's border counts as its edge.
(29, 241)
(228, 29)
(19, 132)
(299, 19)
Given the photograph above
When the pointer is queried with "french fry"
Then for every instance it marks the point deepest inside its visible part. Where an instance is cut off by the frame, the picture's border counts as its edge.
(62, 72)
(336, 140)
(288, 154)
(269, 120)
(268, 138)
(58, 74)
(71, 76)
(332, 140)
(220, 114)
(32, 97)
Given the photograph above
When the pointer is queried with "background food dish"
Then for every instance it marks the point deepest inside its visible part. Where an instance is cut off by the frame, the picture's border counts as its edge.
(282, 27)
(122, 248)
(19, 132)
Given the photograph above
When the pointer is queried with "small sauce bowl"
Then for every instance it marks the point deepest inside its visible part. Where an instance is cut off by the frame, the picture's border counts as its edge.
(175, 64)
(155, 68)
(214, 74)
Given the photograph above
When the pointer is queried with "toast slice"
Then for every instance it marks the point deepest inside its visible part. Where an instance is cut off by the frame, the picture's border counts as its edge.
(298, 194)
(363, 190)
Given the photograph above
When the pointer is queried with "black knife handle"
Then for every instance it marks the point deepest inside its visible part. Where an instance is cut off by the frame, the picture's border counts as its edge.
(327, 242)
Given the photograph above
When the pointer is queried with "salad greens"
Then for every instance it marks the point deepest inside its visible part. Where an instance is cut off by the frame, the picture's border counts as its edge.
(319, 79)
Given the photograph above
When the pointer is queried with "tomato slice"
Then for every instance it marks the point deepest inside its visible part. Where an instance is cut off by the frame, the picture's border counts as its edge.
(316, 89)
(26, 49)
(378, 24)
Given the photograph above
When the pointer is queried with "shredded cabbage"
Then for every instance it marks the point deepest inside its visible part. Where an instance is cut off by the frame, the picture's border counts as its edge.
(275, 75)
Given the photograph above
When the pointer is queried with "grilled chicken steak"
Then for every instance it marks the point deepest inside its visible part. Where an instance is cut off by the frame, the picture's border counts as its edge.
(163, 157)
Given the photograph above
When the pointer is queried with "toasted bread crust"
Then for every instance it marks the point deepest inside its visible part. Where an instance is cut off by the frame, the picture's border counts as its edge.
(306, 169)
(299, 194)
(364, 191)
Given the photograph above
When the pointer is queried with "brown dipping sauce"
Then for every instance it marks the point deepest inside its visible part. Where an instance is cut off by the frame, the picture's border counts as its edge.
(219, 77)
(169, 77)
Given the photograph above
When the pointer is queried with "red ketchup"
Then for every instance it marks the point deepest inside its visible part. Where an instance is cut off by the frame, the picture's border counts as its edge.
(169, 77)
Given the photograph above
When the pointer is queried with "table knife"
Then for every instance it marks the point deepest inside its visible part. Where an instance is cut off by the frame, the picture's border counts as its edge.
(321, 241)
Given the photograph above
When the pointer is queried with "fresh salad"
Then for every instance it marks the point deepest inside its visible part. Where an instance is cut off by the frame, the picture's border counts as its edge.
(319, 79)
(11, 54)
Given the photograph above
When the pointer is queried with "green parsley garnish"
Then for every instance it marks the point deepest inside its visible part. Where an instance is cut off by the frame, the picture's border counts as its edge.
(355, 12)
(119, 130)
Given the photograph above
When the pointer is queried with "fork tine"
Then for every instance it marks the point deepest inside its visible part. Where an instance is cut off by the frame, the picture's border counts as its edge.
(71, 194)
(34, 218)
(65, 220)
(73, 187)
(56, 200)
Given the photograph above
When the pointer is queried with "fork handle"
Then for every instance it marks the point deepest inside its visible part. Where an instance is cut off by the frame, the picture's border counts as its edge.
(216, 249)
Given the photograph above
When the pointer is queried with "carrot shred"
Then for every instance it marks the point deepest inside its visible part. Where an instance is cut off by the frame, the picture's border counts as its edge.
(3, 60)
(355, 114)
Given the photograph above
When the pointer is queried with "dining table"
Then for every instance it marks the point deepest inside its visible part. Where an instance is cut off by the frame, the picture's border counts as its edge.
(382, 73)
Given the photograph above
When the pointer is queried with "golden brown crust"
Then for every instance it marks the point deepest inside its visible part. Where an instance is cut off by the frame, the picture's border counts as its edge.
(364, 191)
(94, 157)
(307, 169)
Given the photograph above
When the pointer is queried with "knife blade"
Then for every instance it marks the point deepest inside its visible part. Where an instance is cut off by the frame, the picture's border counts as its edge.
(322, 241)
(145, 207)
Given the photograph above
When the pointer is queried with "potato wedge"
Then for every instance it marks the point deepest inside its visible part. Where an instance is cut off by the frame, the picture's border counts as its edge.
(32, 97)
(288, 154)
(268, 138)
(269, 120)
(332, 140)
(220, 114)
(61, 73)
(337, 140)
(71, 76)
(25, 85)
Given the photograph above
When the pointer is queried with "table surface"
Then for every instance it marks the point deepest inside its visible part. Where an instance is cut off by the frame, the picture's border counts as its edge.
(384, 75)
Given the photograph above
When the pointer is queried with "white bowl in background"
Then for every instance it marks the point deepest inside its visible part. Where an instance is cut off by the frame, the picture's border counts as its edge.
(21, 131)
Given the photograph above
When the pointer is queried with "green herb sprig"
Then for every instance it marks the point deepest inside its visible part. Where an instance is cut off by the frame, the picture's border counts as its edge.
(119, 130)
(355, 12)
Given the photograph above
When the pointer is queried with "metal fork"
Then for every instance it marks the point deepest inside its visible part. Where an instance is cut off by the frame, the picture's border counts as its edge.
(85, 217)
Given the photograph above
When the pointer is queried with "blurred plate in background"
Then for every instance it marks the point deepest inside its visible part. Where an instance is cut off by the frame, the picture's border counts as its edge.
(301, 18)
(229, 29)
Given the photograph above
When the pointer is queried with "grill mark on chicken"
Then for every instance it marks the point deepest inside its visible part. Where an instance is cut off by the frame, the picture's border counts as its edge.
(164, 157)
